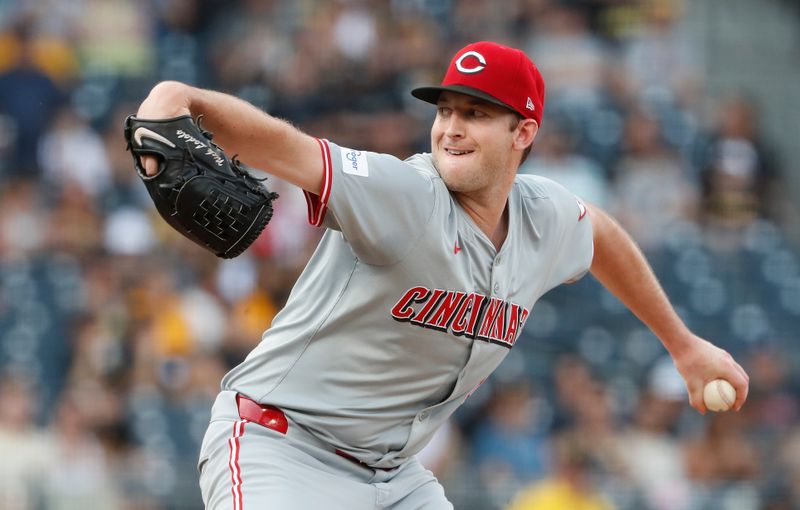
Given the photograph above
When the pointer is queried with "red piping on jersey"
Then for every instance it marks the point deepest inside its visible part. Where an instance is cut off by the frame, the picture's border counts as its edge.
(582, 210)
(318, 204)
(233, 464)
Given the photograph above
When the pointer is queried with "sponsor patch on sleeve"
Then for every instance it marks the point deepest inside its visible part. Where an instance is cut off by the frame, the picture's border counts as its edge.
(354, 162)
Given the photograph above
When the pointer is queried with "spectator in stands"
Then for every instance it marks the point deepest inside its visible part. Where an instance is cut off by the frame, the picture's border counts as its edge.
(772, 424)
(722, 460)
(571, 377)
(661, 43)
(651, 450)
(556, 159)
(786, 489)
(71, 153)
(510, 446)
(78, 473)
(738, 178)
(27, 450)
(114, 38)
(23, 221)
(30, 98)
(574, 60)
(569, 487)
(596, 430)
(79, 226)
(651, 187)
(775, 406)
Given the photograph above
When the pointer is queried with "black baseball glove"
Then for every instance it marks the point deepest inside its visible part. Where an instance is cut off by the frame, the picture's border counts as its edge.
(203, 194)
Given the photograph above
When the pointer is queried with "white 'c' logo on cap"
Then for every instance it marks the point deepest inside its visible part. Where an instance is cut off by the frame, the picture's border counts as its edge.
(471, 70)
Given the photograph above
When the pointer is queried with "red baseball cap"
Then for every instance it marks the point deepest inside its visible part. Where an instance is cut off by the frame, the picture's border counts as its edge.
(499, 74)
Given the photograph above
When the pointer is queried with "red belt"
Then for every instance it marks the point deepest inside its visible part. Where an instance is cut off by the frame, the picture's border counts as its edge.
(265, 415)
(273, 418)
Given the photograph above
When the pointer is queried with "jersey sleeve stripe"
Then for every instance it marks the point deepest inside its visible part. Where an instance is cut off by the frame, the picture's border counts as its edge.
(318, 204)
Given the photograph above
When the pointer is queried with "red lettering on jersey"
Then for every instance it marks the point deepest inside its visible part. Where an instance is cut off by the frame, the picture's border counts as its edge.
(433, 300)
(402, 310)
(499, 324)
(494, 313)
(514, 323)
(523, 316)
(460, 322)
(467, 315)
(477, 309)
(473, 315)
(446, 312)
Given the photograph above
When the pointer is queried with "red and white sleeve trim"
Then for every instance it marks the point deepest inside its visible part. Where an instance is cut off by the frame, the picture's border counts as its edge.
(318, 204)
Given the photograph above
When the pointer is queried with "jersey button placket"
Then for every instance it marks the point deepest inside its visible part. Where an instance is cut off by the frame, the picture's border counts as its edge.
(423, 416)
(496, 285)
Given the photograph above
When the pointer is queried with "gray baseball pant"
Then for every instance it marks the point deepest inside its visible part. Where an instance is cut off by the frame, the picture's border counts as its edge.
(246, 466)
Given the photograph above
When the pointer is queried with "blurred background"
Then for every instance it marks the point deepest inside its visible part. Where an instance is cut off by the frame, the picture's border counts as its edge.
(680, 117)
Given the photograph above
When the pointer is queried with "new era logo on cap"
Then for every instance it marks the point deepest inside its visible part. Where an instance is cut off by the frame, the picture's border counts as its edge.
(495, 73)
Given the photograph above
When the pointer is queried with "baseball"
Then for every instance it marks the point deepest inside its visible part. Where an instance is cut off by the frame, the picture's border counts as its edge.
(719, 395)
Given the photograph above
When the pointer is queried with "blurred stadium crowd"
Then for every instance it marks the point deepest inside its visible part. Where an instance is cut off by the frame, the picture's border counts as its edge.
(115, 332)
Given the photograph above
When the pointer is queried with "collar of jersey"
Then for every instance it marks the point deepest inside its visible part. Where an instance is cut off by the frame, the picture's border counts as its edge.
(513, 213)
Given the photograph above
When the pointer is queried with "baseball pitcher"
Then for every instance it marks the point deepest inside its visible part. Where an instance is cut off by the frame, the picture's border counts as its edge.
(424, 278)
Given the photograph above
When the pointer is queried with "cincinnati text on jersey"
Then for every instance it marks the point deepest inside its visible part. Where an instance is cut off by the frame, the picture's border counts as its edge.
(464, 314)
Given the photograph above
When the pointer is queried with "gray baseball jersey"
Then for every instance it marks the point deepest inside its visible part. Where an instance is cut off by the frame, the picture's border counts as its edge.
(406, 306)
